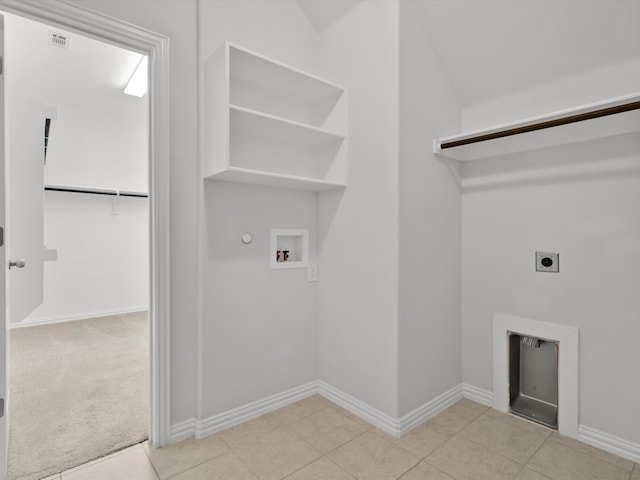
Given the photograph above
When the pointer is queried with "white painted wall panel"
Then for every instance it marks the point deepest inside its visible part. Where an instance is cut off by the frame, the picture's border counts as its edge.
(97, 149)
(592, 220)
(429, 233)
(358, 233)
(103, 256)
(568, 92)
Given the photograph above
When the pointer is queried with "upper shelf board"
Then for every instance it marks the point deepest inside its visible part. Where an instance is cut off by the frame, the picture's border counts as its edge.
(510, 139)
(253, 67)
(279, 129)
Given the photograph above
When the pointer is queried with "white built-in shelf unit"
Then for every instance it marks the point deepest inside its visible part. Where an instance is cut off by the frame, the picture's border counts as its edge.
(616, 116)
(271, 124)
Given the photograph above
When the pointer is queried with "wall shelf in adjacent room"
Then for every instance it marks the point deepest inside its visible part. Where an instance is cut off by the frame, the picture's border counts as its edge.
(587, 122)
(270, 124)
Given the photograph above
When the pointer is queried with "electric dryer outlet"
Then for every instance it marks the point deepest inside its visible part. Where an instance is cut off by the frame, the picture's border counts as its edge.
(547, 262)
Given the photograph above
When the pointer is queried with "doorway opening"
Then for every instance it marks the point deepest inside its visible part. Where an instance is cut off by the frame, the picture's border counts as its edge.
(79, 362)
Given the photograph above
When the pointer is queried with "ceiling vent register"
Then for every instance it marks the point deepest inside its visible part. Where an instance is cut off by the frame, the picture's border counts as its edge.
(59, 40)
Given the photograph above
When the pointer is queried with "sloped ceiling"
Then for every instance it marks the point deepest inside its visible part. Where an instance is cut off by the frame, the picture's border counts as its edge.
(89, 74)
(490, 48)
(322, 13)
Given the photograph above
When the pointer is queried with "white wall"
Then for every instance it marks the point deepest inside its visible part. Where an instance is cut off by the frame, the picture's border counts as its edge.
(594, 86)
(177, 20)
(94, 148)
(259, 325)
(258, 332)
(102, 247)
(358, 266)
(581, 201)
(429, 298)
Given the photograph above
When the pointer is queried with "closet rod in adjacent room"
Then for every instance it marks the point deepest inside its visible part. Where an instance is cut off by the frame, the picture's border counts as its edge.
(95, 191)
(579, 117)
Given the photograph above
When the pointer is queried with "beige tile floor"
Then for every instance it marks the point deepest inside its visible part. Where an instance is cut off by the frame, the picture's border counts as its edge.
(315, 439)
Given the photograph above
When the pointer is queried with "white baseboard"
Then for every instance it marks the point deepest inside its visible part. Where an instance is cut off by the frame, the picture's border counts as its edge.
(182, 430)
(610, 443)
(430, 409)
(78, 316)
(222, 421)
(397, 427)
(480, 395)
(366, 412)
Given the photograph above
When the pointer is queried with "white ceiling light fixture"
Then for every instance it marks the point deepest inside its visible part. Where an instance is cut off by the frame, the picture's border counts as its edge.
(137, 85)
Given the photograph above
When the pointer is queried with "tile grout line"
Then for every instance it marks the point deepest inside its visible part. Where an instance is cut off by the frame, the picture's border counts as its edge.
(326, 455)
(526, 465)
(344, 444)
(191, 467)
(521, 465)
(151, 462)
(592, 455)
(305, 441)
(338, 466)
(238, 456)
(285, 426)
(232, 450)
(460, 435)
(423, 457)
(426, 463)
(633, 469)
(305, 416)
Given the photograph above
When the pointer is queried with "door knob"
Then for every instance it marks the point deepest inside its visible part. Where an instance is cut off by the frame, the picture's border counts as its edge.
(18, 264)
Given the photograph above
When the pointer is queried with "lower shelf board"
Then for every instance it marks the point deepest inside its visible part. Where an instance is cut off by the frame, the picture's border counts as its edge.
(257, 177)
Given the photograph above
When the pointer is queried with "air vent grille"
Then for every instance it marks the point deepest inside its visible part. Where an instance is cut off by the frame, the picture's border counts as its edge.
(59, 40)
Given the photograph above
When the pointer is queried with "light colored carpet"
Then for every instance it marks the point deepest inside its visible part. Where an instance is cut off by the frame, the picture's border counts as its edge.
(78, 391)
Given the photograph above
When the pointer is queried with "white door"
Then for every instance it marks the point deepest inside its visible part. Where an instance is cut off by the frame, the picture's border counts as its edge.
(3, 291)
(22, 220)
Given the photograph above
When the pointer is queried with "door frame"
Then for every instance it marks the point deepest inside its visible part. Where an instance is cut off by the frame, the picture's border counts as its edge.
(82, 20)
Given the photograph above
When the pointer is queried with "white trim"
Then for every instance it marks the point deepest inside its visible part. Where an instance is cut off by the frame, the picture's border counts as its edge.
(228, 419)
(216, 423)
(366, 412)
(568, 338)
(201, 228)
(397, 427)
(182, 430)
(430, 409)
(393, 426)
(610, 443)
(80, 19)
(477, 394)
(78, 316)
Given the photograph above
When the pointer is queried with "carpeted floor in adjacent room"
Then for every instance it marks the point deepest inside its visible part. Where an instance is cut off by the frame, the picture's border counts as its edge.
(78, 391)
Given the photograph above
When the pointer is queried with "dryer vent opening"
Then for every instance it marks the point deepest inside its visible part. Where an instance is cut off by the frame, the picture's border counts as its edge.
(533, 379)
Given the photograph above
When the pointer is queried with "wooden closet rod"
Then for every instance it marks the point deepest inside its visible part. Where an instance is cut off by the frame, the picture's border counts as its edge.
(95, 191)
(603, 112)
